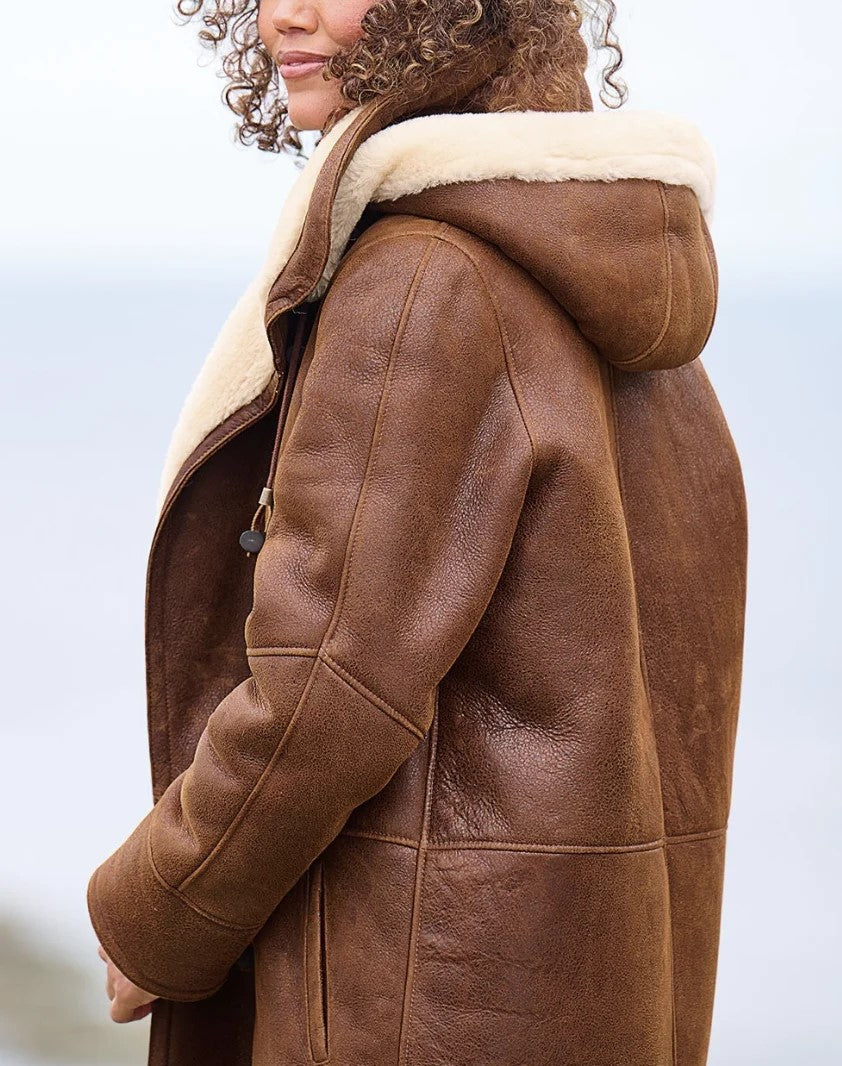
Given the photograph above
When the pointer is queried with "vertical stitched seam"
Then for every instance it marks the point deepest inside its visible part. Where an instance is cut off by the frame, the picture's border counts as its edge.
(672, 958)
(714, 282)
(375, 445)
(640, 636)
(417, 898)
(656, 343)
(647, 690)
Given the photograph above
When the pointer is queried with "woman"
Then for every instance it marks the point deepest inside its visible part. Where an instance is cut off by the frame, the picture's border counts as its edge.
(442, 760)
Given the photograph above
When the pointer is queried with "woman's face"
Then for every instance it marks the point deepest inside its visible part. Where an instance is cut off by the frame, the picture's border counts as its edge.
(317, 27)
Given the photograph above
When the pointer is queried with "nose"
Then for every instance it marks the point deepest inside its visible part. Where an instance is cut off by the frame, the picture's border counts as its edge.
(289, 15)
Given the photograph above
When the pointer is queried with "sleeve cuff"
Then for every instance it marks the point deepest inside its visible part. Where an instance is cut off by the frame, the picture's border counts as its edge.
(155, 937)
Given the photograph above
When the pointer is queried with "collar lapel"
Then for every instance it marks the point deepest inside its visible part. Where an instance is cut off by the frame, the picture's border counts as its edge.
(241, 361)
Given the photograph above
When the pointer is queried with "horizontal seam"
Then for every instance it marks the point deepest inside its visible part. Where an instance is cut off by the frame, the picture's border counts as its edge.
(373, 699)
(683, 838)
(384, 838)
(507, 845)
(503, 845)
(290, 650)
(173, 891)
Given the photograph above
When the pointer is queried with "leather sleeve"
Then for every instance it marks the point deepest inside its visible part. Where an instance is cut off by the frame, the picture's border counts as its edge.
(397, 494)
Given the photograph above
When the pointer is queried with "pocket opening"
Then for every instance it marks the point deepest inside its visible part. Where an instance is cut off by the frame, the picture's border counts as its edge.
(315, 964)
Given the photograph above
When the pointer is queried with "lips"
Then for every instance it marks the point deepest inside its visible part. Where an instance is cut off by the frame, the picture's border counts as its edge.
(299, 64)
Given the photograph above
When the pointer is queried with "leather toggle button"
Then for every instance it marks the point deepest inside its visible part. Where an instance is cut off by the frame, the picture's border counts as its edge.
(251, 540)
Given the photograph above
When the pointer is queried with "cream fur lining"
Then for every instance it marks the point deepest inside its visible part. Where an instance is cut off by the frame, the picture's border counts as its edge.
(411, 155)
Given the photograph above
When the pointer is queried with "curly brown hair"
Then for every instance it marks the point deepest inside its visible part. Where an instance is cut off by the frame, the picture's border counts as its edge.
(404, 45)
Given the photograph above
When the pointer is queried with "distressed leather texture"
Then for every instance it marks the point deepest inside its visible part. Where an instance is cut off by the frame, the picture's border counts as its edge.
(442, 775)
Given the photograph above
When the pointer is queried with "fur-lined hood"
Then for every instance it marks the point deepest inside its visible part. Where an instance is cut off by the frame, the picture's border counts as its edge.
(565, 172)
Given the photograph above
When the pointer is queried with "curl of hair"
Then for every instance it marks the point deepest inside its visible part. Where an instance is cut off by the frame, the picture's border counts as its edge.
(403, 46)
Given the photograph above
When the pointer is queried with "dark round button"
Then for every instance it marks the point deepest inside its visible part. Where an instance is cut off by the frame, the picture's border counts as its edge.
(251, 540)
(246, 960)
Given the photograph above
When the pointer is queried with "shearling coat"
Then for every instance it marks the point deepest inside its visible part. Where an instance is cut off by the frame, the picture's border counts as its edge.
(442, 771)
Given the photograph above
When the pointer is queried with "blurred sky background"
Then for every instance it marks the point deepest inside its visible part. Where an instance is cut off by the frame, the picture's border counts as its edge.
(131, 221)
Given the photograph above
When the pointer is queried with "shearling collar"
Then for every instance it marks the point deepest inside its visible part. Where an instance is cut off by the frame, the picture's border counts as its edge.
(363, 160)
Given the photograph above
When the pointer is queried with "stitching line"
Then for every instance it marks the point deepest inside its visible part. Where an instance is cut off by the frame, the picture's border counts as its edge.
(417, 898)
(374, 700)
(643, 658)
(550, 849)
(290, 650)
(346, 676)
(644, 673)
(371, 241)
(505, 341)
(653, 347)
(173, 891)
(385, 838)
(375, 444)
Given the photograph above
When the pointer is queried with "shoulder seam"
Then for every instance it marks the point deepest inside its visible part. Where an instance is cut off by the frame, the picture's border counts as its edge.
(360, 249)
(441, 235)
(505, 341)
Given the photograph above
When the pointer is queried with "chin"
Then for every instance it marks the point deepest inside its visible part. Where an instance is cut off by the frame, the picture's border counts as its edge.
(308, 110)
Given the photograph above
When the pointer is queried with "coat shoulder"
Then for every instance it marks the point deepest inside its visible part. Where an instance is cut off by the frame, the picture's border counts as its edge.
(399, 262)
(398, 240)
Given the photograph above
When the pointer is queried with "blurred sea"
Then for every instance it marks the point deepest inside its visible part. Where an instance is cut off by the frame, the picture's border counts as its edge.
(95, 369)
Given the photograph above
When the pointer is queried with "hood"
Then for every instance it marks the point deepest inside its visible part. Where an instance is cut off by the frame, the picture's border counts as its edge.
(608, 210)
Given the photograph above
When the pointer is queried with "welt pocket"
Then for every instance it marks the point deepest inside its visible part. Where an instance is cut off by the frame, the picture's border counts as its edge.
(315, 963)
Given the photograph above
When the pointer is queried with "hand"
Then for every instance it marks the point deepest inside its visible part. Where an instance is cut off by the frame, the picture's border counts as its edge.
(128, 1002)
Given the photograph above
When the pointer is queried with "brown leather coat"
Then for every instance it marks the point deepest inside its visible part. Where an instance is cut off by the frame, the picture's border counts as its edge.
(442, 773)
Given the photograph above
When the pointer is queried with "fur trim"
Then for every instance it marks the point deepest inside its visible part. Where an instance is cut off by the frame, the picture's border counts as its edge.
(411, 155)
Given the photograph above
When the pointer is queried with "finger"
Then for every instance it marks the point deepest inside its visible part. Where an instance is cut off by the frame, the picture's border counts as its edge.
(121, 1011)
(126, 1003)
(131, 993)
(131, 1004)
(101, 952)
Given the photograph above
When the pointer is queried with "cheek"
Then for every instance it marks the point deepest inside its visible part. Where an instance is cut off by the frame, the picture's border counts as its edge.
(341, 19)
(268, 33)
